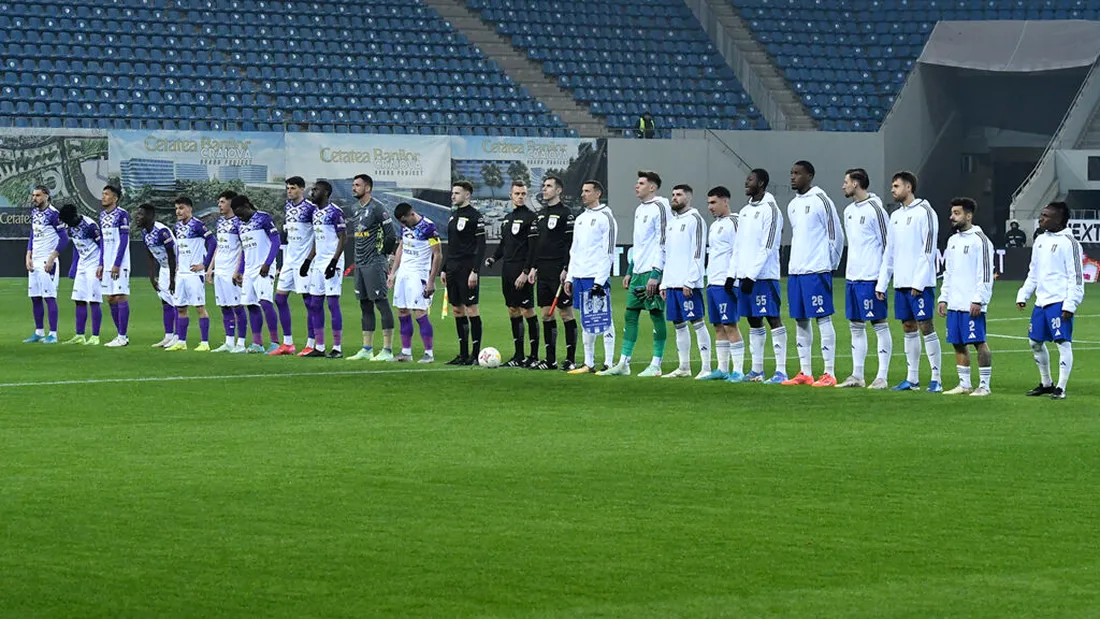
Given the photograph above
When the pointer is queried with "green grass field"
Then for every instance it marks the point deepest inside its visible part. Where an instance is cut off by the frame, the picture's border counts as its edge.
(139, 483)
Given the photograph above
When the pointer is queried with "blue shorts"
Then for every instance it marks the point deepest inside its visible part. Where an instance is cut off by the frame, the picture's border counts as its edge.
(721, 306)
(908, 307)
(861, 303)
(962, 329)
(680, 308)
(810, 295)
(762, 301)
(1047, 324)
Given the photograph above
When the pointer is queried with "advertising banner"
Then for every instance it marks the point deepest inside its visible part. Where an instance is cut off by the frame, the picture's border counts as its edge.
(408, 161)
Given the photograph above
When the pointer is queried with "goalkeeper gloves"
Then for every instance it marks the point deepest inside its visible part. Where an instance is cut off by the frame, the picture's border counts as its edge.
(489, 261)
(304, 269)
(597, 290)
(746, 285)
(330, 270)
(730, 285)
(640, 293)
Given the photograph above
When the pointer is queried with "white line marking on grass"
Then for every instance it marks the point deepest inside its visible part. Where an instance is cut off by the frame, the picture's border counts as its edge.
(1028, 317)
(1020, 337)
(155, 379)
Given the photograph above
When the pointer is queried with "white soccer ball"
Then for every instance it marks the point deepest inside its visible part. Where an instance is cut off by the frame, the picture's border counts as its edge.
(489, 358)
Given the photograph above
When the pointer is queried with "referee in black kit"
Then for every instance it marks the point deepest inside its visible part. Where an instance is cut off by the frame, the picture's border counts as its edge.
(465, 254)
(516, 233)
(554, 229)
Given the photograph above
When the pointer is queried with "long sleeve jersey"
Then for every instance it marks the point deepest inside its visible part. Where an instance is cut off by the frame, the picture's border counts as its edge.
(650, 227)
(910, 256)
(817, 238)
(593, 251)
(968, 271)
(721, 240)
(1056, 273)
(759, 233)
(866, 226)
(686, 246)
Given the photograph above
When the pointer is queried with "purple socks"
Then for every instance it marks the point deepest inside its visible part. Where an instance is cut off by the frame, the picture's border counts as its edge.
(406, 322)
(97, 318)
(39, 313)
(81, 317)
(307, 299)
(229, 322)
(204, 328)
(124, 318)
(114, 314)
(51, 312)
(182, 322)
(317, 319)
(169, 315)
(272, 324)
(256, 317)
(284, 313)
(241, 314)
(337, 320)
(427, 334)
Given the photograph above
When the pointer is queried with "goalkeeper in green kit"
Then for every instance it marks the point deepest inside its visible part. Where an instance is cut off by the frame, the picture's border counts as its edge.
(643, 278)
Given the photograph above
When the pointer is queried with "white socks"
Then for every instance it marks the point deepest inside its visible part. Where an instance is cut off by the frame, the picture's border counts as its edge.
(1065, 363)
(912, 357)
(722, 347)
(1042, 359)
(702, 340)
(737, 356)
(803, 341)
(757, 337)
(828, 344)
(984, 374)
(683, 345)
(885, 349)
(589, 340)
(964, 376)
(932, 350)
(859, 348)
(779, 345)
(609, 346)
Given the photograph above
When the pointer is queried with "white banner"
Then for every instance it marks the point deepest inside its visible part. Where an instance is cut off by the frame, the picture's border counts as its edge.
(406, 161)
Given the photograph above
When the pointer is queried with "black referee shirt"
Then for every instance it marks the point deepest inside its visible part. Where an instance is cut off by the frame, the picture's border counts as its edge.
(465, 239)
(516, 236)
(554, 228)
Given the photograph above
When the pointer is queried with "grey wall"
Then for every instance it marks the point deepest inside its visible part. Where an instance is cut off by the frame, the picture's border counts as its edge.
(703, 164)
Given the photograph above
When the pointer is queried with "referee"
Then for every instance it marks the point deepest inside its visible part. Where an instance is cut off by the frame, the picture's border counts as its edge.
(375, 240)
(465, 253)
(554, 230)
(515, 234)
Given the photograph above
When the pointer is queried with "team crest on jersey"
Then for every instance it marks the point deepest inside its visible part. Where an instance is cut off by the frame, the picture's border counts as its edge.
(756, 215)
(461, 225)
(862, 220)
(908, 221)
(552, 222)
(807, 209)
(516, 226)
(966, 250)
(645, 218)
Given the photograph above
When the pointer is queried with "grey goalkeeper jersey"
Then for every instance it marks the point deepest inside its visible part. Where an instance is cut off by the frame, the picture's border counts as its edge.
(373, 232)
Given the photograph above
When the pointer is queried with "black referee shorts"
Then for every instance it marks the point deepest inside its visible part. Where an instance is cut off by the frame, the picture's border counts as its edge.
(522, 298)
(459, 293)
(549, 278)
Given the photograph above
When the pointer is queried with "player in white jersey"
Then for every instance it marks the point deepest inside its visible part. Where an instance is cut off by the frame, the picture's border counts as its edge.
(260, 245)
(587, 278)
(114, 225)
(643, 278)
(865, 223)
(325, 267)
(722, 303)
(1056, 278)
(87, 257)
(412, 278)
(298, 229)
(817, 243)
(48, 239)
(756, 272)
(910, 259)
(160, 246)
(195, 246)
(682, 281)
(226, 270)
(965, 294)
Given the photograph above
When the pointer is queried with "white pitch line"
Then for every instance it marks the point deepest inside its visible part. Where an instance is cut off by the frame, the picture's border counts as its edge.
(1020, 337)
(1028, 317)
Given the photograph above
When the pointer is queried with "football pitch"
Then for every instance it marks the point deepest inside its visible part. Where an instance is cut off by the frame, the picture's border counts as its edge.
(140, 483)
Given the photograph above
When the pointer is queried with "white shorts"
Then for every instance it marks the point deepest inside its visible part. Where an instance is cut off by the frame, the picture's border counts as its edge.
(164, 288)
(42, 284)
(257, 288)
(87, 287)
(291, 281)
(190, 290)
(408, 293)
(318, 285)
(226, 293)
(112, 287)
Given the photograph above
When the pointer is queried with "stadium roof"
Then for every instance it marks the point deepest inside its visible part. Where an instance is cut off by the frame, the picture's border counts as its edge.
(1013, 46)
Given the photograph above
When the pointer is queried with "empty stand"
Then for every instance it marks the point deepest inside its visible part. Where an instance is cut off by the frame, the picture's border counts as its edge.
(622, 57)
(324, 65)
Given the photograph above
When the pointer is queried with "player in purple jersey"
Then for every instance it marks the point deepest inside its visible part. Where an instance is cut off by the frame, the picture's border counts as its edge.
(226, 271)
(87, 258)
(298, 233)
(48, 238)
(415, 268)
(195, 246)
(260, 245)
(160, 246)
(114, 225)
(327, 275)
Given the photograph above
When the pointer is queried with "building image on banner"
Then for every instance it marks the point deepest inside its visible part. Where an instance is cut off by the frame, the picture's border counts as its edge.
(157, 166)
(492, 163)
(73, 167)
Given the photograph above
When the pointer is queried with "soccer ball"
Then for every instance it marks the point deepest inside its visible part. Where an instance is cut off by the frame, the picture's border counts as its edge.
(489, 358)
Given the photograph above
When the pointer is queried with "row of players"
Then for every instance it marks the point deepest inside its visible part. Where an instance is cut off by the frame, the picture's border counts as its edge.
(667, 272)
